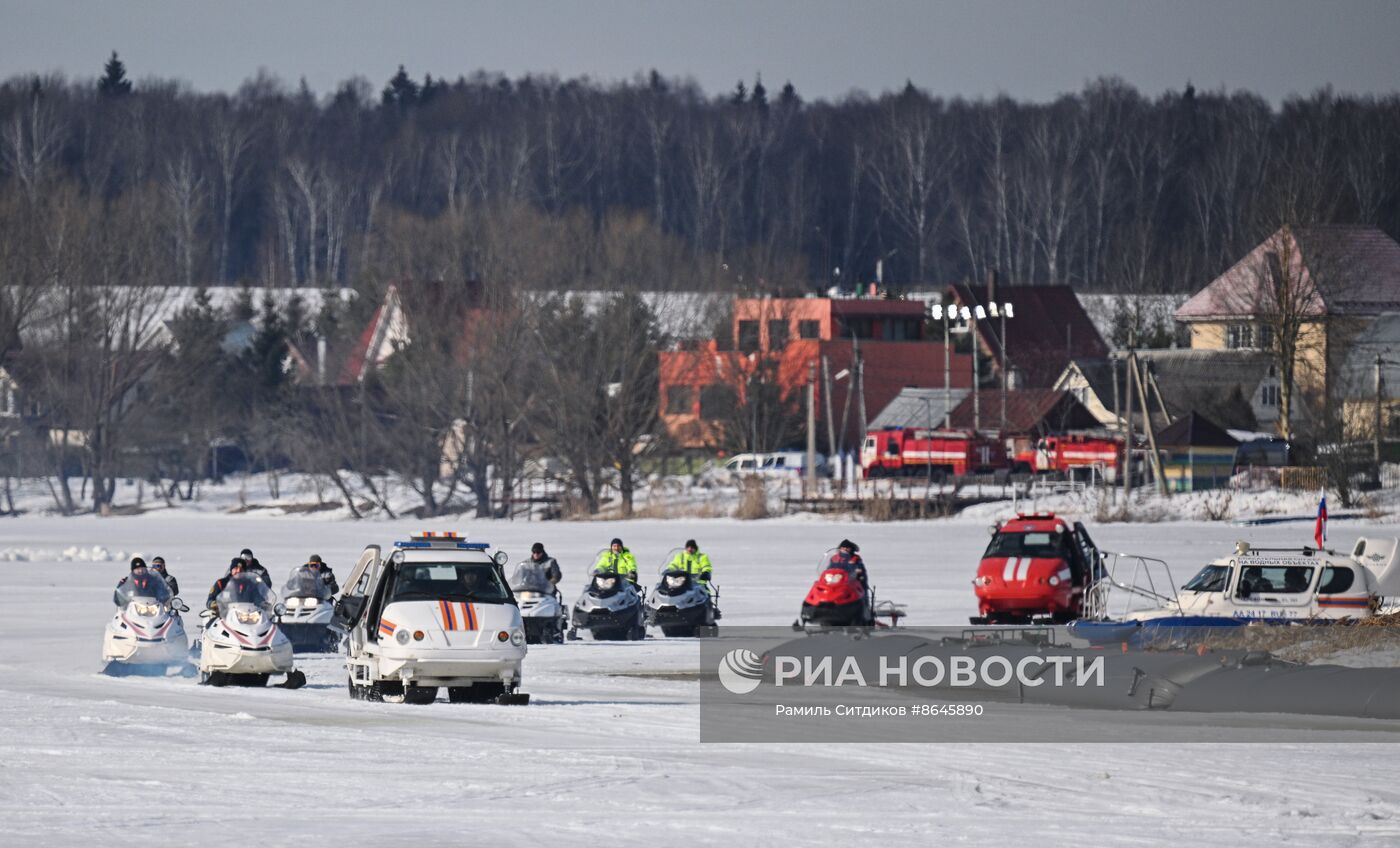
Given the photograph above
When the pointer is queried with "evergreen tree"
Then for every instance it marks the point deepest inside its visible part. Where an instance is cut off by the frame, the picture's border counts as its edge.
(740, 94)
(401, 90)
(759, 96)
(788, 97)
(114, 82)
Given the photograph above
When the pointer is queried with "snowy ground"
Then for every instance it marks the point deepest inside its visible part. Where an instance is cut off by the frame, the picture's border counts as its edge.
(608, 752)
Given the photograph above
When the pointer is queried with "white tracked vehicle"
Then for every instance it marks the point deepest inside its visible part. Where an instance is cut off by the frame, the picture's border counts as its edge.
(437, 613)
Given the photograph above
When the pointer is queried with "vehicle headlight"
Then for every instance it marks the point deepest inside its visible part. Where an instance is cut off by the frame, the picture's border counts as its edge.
(528, 596)
(675, 581)
(502, 636)
(402, 636)
(147, 610)
(245, 617)
(984, 580)
(309, 603)
(1054, 581)
(607, 582)
(833, 577)
(294, 603)
(517, 638)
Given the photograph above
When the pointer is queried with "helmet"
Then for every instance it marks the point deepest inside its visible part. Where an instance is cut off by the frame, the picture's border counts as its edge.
(158, 563)
(246, 554)
(137, 562)
(847, 543)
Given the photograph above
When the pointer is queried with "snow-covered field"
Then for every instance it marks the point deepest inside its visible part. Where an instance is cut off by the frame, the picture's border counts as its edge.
(608, 753)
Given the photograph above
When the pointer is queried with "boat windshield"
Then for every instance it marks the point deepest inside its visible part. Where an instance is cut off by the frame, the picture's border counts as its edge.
(1036, 545)
(143, 583)
(448, 581)
(1212, 578)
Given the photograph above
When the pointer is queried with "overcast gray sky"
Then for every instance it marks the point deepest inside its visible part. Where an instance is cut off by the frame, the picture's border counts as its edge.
(1029, 50)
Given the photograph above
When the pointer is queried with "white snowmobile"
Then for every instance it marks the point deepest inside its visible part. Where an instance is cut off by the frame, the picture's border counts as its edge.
(309, 613)
(242, 644)
(679, 604)
(541, 606)
(146, 636)
(610, 608)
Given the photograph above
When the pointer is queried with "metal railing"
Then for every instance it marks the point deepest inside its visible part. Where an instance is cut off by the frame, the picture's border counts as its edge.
(1133, 581)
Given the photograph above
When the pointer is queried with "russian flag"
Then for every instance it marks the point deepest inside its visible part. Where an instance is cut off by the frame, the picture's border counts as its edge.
(1320, 529)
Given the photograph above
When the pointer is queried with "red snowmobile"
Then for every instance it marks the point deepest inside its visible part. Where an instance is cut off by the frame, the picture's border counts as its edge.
(842, 597)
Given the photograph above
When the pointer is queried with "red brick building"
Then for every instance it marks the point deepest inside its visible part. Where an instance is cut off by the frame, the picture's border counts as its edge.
(786, 338)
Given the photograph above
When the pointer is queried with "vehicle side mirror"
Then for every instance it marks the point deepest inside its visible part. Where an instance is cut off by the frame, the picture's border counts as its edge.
(502, 558)
(177, 605)
(991, 529)
(206, 614)
(279, 610)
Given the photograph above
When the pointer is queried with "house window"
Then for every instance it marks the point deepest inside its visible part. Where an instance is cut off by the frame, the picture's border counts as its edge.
(680, 400)
(748, 336)
(1266, 337)
(1269, 395)
(1239, 336)
(717, 401)
(777, 335)
(809, 329)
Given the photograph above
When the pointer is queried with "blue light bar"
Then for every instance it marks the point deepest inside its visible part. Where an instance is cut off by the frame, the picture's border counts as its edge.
(463, 546)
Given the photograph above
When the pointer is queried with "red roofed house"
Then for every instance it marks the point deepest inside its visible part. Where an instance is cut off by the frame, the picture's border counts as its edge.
(787, 338)
(1336, 280)
(1046, 329)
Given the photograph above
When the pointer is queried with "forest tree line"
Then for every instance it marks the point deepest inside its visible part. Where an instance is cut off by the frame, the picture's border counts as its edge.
(1106, 189)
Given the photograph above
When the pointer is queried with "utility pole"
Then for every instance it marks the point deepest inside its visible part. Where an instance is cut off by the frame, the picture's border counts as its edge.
(1004, 366)
(1127, 430)
(826, 398)
(811, 477)
(1156, 458)
(947, 373)
(860, 381)
(1376, 443)
(976, 375)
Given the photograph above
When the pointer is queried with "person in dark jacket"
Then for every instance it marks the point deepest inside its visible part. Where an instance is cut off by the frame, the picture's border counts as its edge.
(137, 565)
(251, 563)
(546, 563)
(235, 566)
(158, 564)
(847, 558)
(318, 565)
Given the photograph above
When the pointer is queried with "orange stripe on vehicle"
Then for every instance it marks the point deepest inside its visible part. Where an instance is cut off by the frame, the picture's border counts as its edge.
(469, 616)
(449, 621)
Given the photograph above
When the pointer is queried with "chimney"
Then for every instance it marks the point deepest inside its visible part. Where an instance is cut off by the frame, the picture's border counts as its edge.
(320, 360)
(992, 286)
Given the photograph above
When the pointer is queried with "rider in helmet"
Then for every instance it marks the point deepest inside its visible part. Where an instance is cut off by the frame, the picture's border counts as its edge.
(619, 559)
(693, 562)
(254, 567)
(236, 566)
(318, 565)
(158, 563)
(138, 569)
(847, 558)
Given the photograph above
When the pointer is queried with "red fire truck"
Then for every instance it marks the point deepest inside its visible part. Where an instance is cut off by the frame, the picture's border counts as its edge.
(908, 451)
(1036, 568)
(1065, 452)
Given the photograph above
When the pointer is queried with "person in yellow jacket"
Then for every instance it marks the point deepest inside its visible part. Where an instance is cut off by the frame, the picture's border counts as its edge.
(694, 562)
(619, 559)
